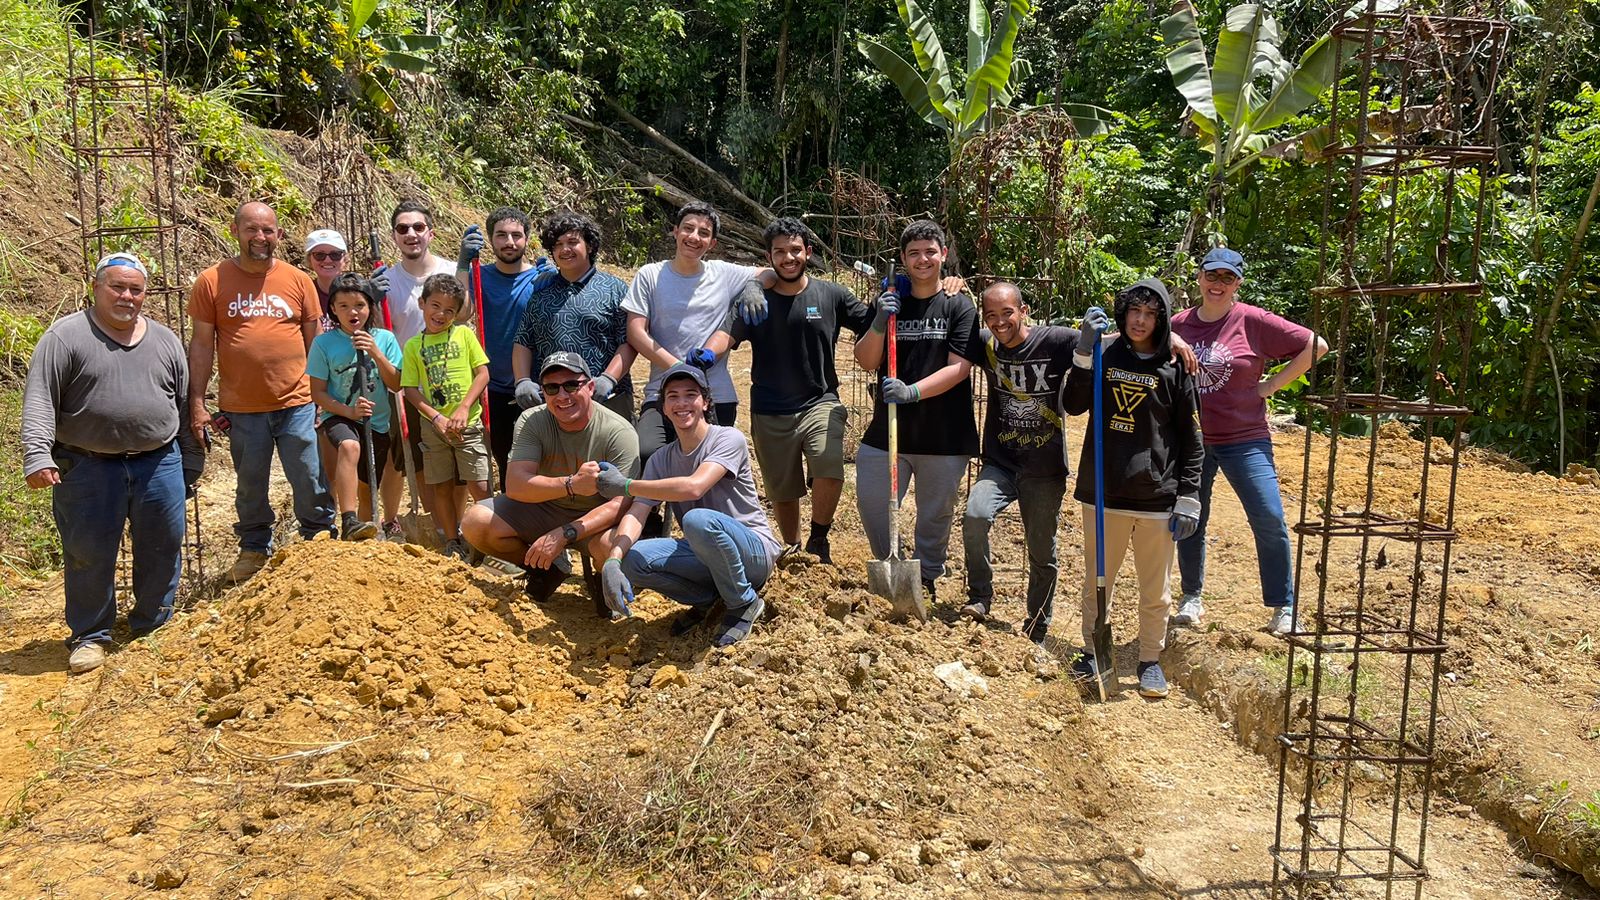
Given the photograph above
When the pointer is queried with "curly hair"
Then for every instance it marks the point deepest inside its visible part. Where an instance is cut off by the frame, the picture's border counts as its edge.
(560, 223)
(504, 213)
(446, 284)
(788, 226)
(923, 230)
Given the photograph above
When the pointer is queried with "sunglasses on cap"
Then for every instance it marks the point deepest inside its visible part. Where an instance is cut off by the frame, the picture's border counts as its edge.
(407, 227)
(552, 388)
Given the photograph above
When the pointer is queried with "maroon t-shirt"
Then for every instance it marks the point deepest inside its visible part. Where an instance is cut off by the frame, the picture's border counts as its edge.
(1234, 352)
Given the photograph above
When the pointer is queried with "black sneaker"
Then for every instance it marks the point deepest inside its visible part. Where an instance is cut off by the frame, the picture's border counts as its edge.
(928, 592)
(356, 530)
(690, 619)
(1084, 669)
(542, 583)
(820, 549)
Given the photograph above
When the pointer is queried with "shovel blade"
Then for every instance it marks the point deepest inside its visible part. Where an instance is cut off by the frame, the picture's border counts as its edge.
(900, 582)
(417, 528)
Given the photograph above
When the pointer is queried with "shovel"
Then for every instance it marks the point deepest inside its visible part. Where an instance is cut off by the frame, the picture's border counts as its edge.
(416, 527)
(1105, 666)
(896, 578)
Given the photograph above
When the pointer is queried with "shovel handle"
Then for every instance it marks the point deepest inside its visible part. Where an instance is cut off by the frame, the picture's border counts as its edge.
(894, 453)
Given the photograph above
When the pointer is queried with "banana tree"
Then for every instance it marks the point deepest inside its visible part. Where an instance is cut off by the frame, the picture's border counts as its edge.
(988, 86)
(1237, 98)
(373, 58)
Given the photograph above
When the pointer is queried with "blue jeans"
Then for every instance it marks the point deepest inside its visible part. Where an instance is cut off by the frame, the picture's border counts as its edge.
(94, 499)
(1254, 478)
(717, 557)
(1039, 499)
(251, 440)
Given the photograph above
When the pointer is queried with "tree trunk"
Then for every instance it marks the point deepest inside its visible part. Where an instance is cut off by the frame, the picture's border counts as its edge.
(763, 215)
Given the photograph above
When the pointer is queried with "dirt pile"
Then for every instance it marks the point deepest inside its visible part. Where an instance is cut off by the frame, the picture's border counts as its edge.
(361, 719)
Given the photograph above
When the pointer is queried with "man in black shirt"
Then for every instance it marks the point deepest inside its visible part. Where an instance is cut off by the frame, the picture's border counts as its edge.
(937, 343)
(1024, 451)
(794, 386)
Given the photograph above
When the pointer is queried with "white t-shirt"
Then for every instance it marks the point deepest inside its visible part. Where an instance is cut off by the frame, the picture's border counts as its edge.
(684, 312)
(405, 292)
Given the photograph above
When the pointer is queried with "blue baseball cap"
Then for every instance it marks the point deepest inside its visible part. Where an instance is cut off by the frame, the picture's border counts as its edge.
(1223, 258)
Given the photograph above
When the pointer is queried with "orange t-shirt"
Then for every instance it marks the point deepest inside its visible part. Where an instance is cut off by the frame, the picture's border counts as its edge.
(261, 346)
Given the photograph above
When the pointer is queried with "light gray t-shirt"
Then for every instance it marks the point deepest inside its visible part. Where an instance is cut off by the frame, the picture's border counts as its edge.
(608, 438)
(684, 312)
(88, 391)
(405, 290)
(733, 495)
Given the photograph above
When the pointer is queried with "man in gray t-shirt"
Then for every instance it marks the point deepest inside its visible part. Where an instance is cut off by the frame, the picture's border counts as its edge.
(105, 425)
(550, 502)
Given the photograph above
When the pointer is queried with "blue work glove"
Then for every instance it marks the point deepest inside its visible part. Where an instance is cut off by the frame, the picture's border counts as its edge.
(611, 482)
(380, 279)
(544, 272)
(751, 304)
(896, 391)
(701, 358)
(615, 586)
(527, 391)
(888, 305)
(1095, 324)
(902, 284)
(1185, 520)
(471, 246)
(604, 385)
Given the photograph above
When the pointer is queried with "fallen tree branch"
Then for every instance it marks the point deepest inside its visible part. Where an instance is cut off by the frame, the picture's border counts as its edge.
(763, 215)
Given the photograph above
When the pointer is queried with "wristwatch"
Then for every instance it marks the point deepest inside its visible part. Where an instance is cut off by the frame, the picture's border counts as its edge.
(569, 533)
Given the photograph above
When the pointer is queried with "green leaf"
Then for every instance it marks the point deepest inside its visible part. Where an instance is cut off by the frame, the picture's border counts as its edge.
(1089, 121)
(905, 78)
(930, 54)
(405, 62)
(1313, 75)
(360, 12)
(1239, 58)
(1186, 60)
(977, 34)
(991, 82)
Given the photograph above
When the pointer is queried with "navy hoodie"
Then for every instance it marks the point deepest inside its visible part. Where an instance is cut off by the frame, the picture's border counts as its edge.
(1153, 449)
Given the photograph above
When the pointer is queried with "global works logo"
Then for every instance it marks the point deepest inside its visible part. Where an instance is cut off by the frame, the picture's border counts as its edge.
(266, 306)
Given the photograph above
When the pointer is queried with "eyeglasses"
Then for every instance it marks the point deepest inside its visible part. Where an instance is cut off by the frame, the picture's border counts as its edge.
(408, 227)
(1221, 276)
(571, 387)
(327, 255)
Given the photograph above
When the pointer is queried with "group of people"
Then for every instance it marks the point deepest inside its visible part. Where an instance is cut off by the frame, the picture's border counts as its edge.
(508, 382)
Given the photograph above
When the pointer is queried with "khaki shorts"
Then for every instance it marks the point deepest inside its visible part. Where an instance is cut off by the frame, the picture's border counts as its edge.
(782, 442)
(462, 463)
(530, 521)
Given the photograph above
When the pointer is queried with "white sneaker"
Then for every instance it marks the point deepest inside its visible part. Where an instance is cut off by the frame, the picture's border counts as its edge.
(1190, 609)
(1282, 621)
(86, 658)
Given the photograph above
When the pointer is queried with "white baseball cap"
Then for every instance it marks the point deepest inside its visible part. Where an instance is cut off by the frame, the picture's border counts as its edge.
(326, 236)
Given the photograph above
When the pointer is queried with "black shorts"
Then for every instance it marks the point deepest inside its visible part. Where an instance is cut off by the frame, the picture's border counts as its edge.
(414, 423)
(338, 429)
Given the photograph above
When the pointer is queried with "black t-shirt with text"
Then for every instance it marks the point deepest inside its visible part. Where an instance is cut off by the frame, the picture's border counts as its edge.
(1022, 427)
(927, 332)
(792, 364)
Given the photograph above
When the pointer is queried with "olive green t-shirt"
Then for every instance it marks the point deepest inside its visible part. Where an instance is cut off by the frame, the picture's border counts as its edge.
(607, 438)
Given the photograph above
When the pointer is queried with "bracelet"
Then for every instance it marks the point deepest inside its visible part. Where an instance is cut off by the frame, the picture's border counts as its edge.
(569, 485)
(625, 486)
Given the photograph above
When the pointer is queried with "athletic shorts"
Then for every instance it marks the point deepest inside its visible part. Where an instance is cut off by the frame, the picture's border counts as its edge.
(397, 448)
(530, 520)
(461, 463)
(338, 429)
(815, 436)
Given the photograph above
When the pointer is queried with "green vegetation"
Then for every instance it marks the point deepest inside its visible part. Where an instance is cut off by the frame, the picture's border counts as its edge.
(28, 541)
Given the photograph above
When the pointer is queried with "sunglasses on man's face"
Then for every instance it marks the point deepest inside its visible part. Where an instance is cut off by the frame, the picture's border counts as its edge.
(327, 255)
(406, 227)
(571, 387)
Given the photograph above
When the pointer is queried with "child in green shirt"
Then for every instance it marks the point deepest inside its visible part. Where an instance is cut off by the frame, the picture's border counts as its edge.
(444, 372)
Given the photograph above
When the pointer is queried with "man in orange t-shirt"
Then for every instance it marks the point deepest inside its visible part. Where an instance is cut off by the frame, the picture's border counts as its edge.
(254, 318)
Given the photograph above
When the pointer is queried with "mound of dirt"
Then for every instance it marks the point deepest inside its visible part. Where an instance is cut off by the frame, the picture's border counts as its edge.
(373, 719)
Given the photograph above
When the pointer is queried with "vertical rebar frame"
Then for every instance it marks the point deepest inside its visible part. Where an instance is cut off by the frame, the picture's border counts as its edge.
(1415, 111)
(122, 151)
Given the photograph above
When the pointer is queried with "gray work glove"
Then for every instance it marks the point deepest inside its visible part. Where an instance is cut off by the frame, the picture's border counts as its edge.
(1185, 520)
(380, 279)
(896, 391)
(528, 395)
(615, 586)
(471, 247)
(888, 305)
(751, 304)
(1095, 324)
(604, 385)
(611, 482)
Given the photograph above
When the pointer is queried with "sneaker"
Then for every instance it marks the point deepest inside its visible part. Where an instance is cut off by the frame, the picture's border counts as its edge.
(1282, 621)
(976, 610)
(248, 564)
(737, 623)
(357, 530)
(393, 532)
(1152, 681)
(928, 592)
(788, 551)
(1190, 609)
(1084, 668)
(690, 619)
(542, 583)
(821, 550)
(455, 549)
(86, 658)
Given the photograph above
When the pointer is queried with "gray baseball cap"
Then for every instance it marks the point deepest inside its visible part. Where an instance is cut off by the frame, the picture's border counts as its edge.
(565, 359)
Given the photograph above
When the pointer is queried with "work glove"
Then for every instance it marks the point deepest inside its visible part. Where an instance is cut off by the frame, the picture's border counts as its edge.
(471, 247)
(528, 395)
(615, 586)
(191, 477)
(1185, 520)
(611, 483)
(896, 391)
(544, 272)
(902, 284)
(604, 385)
(888, 305)
(701, 358)
(380, 279)
(751, 304)
(1095, 324)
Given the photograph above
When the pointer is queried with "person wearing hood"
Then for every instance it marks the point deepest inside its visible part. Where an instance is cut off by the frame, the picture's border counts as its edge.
(1152, 456)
